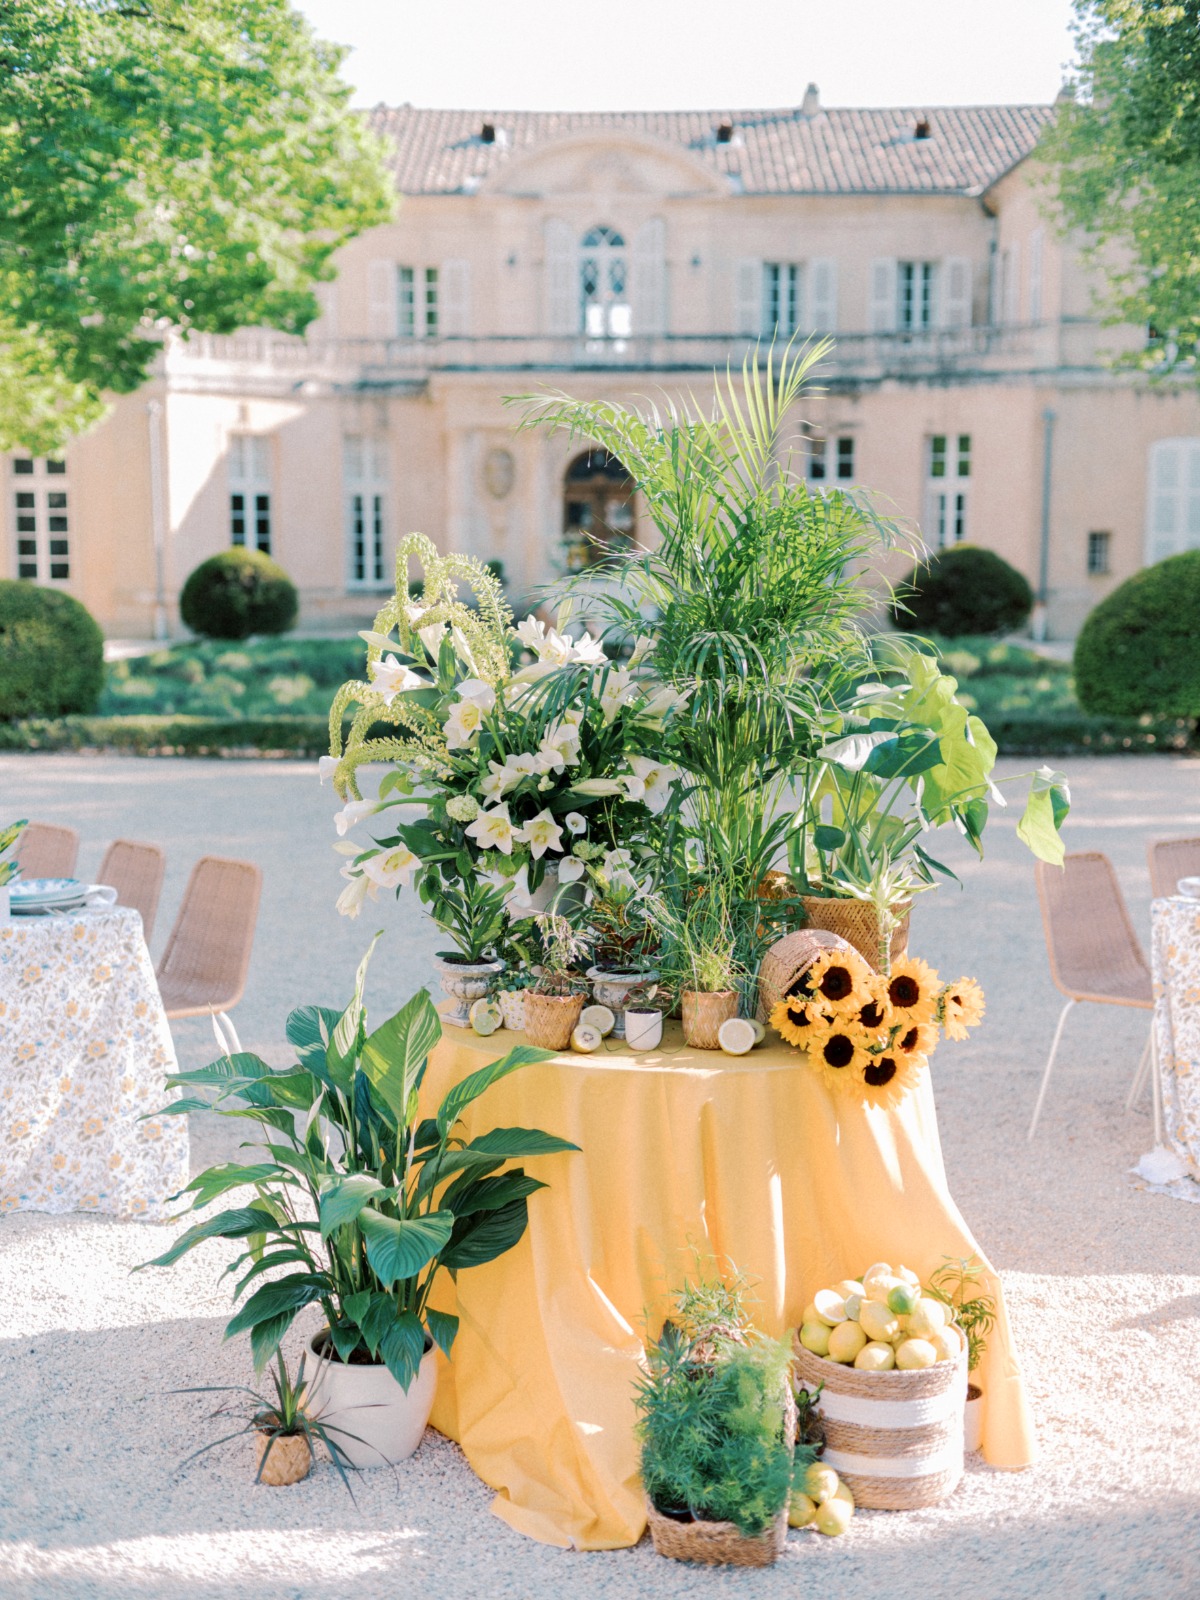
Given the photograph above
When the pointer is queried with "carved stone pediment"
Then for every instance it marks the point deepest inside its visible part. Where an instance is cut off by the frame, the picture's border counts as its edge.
(605, 162)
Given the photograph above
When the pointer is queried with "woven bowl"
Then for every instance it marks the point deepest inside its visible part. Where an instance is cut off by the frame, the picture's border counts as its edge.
(716, 1544)
(786, 960)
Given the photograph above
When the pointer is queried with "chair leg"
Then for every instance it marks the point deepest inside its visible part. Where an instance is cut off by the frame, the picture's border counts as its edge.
(1139, 1077)
(1156, 1090)
(1037, 1110)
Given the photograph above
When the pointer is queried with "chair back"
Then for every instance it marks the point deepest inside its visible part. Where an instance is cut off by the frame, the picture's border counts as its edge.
(47, 851)
(1094, 952)
(207, 957)
(1170, 860)
(135, 871)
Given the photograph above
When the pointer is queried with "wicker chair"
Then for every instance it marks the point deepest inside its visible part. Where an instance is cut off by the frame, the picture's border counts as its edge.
(47, 851)
(1093, 950)
(1170, 860)
(203, 969)
(135, 871)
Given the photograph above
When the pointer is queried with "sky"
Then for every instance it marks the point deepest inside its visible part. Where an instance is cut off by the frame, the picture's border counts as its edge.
(623, 55)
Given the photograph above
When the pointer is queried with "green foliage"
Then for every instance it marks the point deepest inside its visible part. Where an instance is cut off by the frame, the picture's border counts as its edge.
(236, 593)
(51, 653)
(171, 736)
(702, 931)
(1138, 653)
(964, 589)
(361, 1203)
(256, 678)
(8, 838)
(955, 1284)
(193, 167)
(1124, 161)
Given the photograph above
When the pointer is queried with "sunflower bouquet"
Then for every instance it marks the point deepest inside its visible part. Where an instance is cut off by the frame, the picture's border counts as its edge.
(871, 1034)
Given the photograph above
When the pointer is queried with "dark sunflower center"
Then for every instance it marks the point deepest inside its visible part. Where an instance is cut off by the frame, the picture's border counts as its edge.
(839, 1050)
(904, 991)
(880, 1072)
(955, 999)
(801, 989)
(871, 1015)
(908, 1041)
(837, 983)
(799, 1017)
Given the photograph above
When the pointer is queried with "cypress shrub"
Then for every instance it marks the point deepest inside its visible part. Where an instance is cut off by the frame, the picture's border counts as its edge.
(51, 653)
(236, 593)
(964, 589)
(1138, 652)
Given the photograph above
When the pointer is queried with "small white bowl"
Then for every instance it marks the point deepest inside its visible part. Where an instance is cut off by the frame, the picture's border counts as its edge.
(1189, 888)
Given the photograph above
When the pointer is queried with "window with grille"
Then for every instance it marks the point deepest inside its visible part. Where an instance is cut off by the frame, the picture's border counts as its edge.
(915, 295)
(947, 491)
(605, 306)
(831, 459)
(782, 284)
(365, 475)
(417, 302)
(250, 491)
(1098, 547)
(42, 519)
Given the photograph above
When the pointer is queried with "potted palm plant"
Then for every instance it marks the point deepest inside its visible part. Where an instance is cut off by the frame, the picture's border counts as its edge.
(555, 999)
(701, 962)
(363, 1204)
(956, 1284)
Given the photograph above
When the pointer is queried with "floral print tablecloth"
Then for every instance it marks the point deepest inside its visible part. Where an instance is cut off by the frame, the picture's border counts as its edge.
(1175, 958)
(84, 1050)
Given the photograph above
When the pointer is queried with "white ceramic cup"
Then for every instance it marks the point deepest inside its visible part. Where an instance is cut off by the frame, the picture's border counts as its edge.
(643, 1029)
(1189, 888)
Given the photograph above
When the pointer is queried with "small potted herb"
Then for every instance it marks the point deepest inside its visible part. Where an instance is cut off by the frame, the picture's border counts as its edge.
(702, 964)
(623, 918)
(553, 1003)
(955, 1284)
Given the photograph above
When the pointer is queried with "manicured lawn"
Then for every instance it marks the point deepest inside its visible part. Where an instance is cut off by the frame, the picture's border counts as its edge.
(253, 679)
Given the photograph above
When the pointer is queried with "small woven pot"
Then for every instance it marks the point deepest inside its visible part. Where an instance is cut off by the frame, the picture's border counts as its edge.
(703, 1014)
(550, 1019)
(716, 1544)
(857, 923)
(896, 1438)
(788, 959)
(289, 1461)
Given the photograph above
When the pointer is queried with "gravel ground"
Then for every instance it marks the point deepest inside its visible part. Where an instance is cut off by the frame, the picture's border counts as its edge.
(1103, 1281)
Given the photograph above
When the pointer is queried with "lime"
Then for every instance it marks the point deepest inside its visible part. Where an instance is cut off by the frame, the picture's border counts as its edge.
(903, 1299)
(485, 1017)
(814, 1336)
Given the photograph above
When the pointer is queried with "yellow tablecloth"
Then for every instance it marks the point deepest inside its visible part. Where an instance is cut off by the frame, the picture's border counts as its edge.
(682, 1151)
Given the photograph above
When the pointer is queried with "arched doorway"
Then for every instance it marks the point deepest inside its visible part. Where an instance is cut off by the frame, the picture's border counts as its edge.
(598, 509)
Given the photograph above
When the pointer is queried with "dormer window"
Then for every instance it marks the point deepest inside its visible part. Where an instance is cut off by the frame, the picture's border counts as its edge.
(725, 133)
(922, 129)
(487, 134)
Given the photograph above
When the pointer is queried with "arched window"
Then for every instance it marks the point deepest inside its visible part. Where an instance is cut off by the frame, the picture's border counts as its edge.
(604, 285)
(598, 509)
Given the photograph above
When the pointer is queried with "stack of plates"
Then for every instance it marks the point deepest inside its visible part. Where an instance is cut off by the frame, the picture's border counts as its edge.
(41, 897)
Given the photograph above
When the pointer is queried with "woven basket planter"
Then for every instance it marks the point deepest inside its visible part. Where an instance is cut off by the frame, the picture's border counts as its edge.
(857, 923)
(716, 1544)
(895, 1437)
(289, 1461)
(786, 960)
(550, 1018)
(703, 1014)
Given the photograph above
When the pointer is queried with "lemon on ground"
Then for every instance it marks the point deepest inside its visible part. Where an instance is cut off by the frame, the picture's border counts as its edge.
(853, 1304)
(947, 1344)
(814, 1336)
(801, 1510)
(875, 1357)
(914, 1354)
(843, 1493)
(903, 1299)
(736, 1036)
(833, 1516)
(831, 1308)
(877, 1321)
(486, 1017)
(599, 1017)
(927, 1317)
(845, 1341)
(586, 1039)
(820, 1483)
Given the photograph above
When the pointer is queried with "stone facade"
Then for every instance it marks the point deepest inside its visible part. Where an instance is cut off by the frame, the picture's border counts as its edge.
(625, 256)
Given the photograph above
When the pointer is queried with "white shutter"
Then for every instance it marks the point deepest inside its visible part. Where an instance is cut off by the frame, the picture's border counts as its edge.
(956, 292)
(747, 297)
(381, 299)
(648, 283)
(821, 309)
(1012, 284)
(1037, 243)
(561, 307)
(454, 287)
(882, 307)
(1173, 501)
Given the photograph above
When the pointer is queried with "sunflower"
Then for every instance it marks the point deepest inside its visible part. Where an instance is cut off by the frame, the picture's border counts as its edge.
(888, 1077)
(841, 982)
(915, 1039)
(798, 1021)
(875, 1016)
(913, 990)
(840, 1056)
(963, 1006)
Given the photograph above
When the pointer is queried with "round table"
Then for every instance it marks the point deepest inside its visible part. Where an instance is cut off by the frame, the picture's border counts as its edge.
(84, 1051)
(1175, 958)
(686, 1155)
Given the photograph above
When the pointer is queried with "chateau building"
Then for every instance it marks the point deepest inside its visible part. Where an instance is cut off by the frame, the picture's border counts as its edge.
(626, 256)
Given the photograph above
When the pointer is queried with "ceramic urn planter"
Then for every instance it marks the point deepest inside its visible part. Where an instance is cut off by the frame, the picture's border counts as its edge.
(465, 982)
(290, 1458)
(617, 990)
(372, 1420)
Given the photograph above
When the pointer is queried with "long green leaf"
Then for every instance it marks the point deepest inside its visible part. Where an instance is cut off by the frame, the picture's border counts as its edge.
(342, 1198)
(443, 1326)
(472, 1086)
(395, 1054)
(214, 1181)
(402, 1346)
(236, 1224)
(486, 1235)
(399, 1249)
(291, 1293)
(516, 1143)
(343, 1046)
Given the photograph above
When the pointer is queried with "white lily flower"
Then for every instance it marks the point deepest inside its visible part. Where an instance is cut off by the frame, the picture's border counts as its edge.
(576, 821)
(350, 901)
(562, 741)
(618, 687)
(587, 650)
(618, 861)
(635, 789)
(493, 830)
(353, 811)
(392, 869)
(431, 638)
(497, 783)
(462, 648)
(531, 633)
(570, 870)
(598, 787)
(662, 701)
(391, 679)
(623, 880)
(555, 649)
(519, 904)
(540, 833)
(656, 780)
(463, 723)
(477, 692)
(327, 766)
(642, 647)
(414, 612)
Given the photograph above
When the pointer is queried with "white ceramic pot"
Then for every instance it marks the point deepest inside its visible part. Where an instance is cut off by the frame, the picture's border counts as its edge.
(616, 989)
(973, 1420)
(367, 1402)
(512, 1008)
(643, 1029)
(465, 982)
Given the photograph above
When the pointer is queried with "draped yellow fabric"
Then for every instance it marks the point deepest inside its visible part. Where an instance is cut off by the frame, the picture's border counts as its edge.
(683, 1151)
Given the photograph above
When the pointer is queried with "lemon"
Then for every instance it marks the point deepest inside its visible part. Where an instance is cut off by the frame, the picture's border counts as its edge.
(831, 1308)
(814, 1336)
(848, 1286)
(877, 1280)
(903, 1299)
(833, 1516)
(877, 1321)
(736, 1036)
(853, 1304)
(909, 1276)
(586, 1039)
(810, 1313)
(927, 1317)
(760, 1030)
(843, 1493)
(914, 1354)
(599, 1017)
(485, 1017)
(845, 1341)
(947, 1344)
(875, 1357)
(820, 1483)
(801, 1510)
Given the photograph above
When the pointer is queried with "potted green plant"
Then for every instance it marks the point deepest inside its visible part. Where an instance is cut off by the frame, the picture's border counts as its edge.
(701, 963)
(8, 865)
(956, 1284)
(716, 1425)
(363, 1204)
(555, 999)
(624, 919)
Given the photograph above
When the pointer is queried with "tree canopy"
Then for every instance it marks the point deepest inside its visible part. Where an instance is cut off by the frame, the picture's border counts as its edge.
(1124, 155)
(162, 165)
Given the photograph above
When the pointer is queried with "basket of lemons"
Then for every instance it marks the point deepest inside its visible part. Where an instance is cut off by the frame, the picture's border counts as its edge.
(892, 1371)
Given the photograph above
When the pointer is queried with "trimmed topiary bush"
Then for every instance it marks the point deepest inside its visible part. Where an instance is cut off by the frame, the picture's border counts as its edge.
(237, 593)
(964, 589)
(1138, 653)
(51, 653)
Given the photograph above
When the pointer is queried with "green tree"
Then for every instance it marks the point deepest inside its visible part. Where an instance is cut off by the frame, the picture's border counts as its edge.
(1124, 157)
(162, 166)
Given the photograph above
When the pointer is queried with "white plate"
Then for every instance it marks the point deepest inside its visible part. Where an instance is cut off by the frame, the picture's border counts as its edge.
(46, 891)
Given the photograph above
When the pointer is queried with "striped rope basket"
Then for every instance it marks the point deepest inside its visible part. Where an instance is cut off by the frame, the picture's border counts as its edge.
(895, 1437)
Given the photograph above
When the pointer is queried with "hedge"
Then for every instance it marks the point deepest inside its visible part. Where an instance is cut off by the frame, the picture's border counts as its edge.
(963, 590)
(1138, 652)
(237, 593)
(51, 652)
